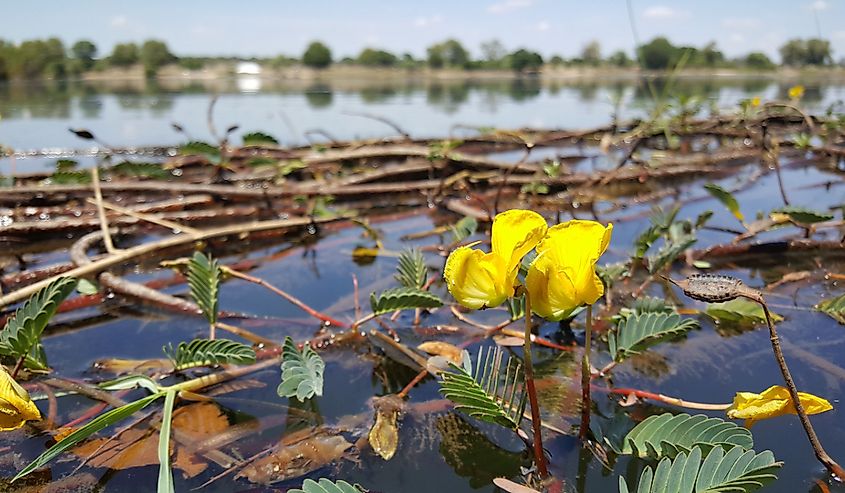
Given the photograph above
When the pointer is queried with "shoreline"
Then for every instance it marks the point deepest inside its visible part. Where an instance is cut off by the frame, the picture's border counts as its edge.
(347, 73)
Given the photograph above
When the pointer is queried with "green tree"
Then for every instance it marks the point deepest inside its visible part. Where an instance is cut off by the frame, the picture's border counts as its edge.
(317, 55)
(84, 51)
(523, 60)
(658, 54)
(124, 55)
(154, 55)
(710, 55)
(591, 53)
(493, 53)
(556, 60)
(377, 58)
(818, 52)
(619, 59)
(758, 60)
(449, 53)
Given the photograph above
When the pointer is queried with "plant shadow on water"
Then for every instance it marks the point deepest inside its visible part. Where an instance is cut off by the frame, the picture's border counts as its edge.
(336, 264)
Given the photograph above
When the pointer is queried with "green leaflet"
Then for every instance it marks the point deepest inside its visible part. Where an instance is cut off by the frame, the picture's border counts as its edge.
(165, 474)
(834, 307)
(402, 299)
(803, 215)
(302, 372)
(666, 435)
(464, 228)
(23, 331)
(204, 280)
(206, 352)
(736, 470)
(259, 138)
(726, 198)
(411, 271)
(493, 393)
(102, 421)
(739, 311)
(324, 485)
(640, 331)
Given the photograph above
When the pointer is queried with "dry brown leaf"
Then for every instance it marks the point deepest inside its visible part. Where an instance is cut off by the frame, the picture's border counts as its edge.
(509, 341)
(384, 435)
(139, 447)
(511, 487)
(438, 348)
(290, 460)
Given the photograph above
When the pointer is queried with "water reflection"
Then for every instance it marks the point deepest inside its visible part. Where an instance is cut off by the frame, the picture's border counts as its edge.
(137, 112)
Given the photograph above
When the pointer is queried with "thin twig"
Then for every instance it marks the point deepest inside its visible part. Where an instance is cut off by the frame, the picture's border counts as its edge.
(261, 282)
(821, 454)
(101, 212)
(176, 227)
(586, 374)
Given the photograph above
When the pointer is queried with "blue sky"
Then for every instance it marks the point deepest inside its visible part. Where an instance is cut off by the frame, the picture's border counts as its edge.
(267, 27)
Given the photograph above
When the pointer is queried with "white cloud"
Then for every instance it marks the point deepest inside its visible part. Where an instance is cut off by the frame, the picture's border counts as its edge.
(736, 38)
(543, 26)
(819, 5)
(428, 21)
(839, 35)
(509, 5)
(119, 21)
(741, 23)
(662, 12)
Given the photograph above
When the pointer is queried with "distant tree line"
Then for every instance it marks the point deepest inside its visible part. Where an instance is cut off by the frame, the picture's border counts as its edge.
(50, 58)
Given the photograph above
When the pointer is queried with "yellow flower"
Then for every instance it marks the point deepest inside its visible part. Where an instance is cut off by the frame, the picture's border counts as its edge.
(796, 92)
(755, 101)
(563, 276)
(15, 404)
(477, 279)
(774, 401)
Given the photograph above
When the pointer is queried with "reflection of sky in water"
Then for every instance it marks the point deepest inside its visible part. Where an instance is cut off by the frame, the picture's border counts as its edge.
(34, 118)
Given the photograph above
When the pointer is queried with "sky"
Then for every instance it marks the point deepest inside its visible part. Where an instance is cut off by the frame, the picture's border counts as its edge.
(272, 27)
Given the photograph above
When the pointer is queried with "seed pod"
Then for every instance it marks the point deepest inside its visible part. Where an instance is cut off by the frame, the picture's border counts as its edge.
(712, 288)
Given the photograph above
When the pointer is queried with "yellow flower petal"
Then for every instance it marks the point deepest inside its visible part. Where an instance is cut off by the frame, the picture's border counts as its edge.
(563, 276)
(477, 279)
(515, 233)
(15, 405)
(796, 92)
(774, 401)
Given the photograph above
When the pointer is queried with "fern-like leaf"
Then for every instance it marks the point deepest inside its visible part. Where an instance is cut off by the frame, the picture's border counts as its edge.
(666, 435)
(302, 372)
(323, 485)
(494, 392)
(206, 352)
(402, 299)
(204, 280)
(834, 307)
(411, 271)
(259, 138)
(639, 331)
(736, 471)
(23, 330)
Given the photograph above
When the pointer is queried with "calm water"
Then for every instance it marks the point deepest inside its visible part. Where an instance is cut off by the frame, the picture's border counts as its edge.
(445, 451)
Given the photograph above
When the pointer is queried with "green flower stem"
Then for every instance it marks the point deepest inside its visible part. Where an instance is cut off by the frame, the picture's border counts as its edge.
(586, 374)
(539, 455)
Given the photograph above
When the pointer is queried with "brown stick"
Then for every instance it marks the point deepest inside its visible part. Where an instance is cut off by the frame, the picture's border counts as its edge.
(586, 374)
(147, 248)
(832, 466)
(296, 301)
(101, 212)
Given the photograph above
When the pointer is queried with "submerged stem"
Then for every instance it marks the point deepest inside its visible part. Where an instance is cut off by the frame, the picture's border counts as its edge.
(586, 375)
(832, 466)
(539, 455)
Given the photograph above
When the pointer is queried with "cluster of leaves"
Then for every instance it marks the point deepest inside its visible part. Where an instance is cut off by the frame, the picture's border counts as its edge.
(677, 235)
(411, 275)
(21, 337)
